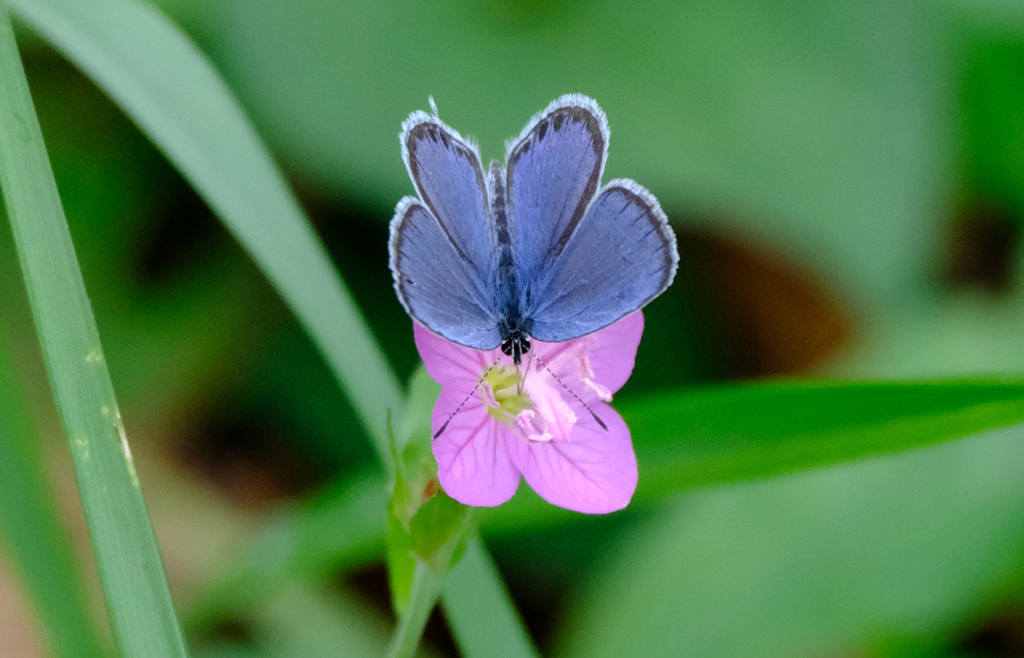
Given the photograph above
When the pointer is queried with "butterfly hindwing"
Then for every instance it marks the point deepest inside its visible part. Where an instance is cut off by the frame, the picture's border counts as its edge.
(437, 287)
(621, 256)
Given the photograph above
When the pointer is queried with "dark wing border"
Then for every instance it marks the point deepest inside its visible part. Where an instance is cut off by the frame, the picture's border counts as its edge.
(658, 223)
(419, 122)
(580, 107)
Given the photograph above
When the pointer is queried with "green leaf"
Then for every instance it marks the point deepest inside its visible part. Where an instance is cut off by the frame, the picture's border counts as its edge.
(846, 560)
(34, 539)
(138, 598)
(437, 523)
(685, 440)
(159, 78)
(690, 439)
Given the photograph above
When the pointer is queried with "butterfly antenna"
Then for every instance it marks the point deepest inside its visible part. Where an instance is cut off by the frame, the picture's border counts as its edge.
(466, 399)
(573, 393)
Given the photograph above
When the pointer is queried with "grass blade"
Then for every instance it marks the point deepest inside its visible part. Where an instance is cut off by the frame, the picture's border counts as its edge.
(690, 439)
(162, 81)
(686, 440)
(32, 533)
(138, 599)
(482, 617)
(170, 90)
(741, 432)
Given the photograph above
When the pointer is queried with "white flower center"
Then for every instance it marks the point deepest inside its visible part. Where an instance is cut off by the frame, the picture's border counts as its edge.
(531, 405)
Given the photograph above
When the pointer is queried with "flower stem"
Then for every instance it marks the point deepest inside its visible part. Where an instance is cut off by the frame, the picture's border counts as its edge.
(426, 587)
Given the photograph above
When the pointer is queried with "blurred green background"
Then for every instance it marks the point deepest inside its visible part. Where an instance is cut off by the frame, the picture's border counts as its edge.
(847, 183)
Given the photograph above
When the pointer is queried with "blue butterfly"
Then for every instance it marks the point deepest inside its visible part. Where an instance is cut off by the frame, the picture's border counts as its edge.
(536, 247)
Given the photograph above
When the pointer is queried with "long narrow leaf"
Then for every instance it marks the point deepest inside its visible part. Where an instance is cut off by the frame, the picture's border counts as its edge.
(138, 598)
(162, 81)
(482, 617)
(32, 534)
(690, 439)
(739, 432)
(158, 77)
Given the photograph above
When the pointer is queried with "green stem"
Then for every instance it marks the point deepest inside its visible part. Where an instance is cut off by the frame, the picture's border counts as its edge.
(426, 587)
(137, 595)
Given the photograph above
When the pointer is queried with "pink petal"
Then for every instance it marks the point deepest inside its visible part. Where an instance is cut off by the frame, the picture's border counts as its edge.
(448, 363)
(613, 352)
(473, 463)
(594, 472)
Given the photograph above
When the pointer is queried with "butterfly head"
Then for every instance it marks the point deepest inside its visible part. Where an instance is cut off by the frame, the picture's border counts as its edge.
(515, 347)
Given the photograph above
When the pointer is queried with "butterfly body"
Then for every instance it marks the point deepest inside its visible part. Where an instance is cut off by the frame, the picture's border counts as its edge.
(533, 248)
(510, 298)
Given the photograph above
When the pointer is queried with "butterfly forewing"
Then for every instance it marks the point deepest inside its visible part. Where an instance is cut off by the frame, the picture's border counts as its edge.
(447, 173)
(548, 253)
(621, 256)
(441, 245)
(554, 170)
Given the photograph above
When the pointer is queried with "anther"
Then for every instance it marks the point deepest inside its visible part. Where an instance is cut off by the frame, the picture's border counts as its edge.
(573, 393)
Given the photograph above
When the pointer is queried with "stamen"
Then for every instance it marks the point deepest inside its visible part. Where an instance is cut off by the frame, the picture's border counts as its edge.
(573, 393)
(466, 399)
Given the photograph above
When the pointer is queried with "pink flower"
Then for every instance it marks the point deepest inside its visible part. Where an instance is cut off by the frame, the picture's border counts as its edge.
(535, 428)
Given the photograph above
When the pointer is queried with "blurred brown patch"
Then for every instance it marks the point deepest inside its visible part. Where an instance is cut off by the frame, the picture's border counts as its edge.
(18, 636)
(250, 462)
(771, 317)
(1000, 636)
(982, 248)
